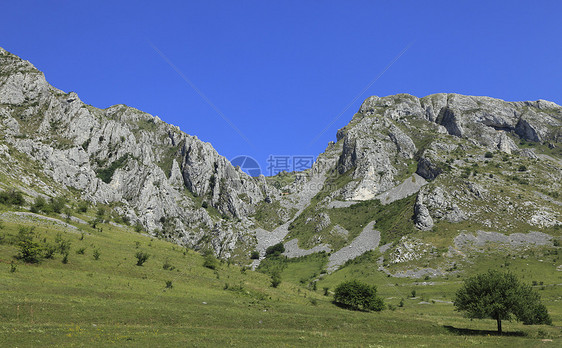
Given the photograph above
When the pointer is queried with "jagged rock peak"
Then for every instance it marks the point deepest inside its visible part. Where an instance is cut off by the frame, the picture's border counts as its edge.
(123, 156)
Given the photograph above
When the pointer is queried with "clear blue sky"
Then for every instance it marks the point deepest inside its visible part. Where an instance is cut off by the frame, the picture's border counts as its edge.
(281, 71)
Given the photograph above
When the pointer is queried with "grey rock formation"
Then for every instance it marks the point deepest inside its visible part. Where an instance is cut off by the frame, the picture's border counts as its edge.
(123, 156)
(466, 241)
(457, 153)
(422, 218)
(368, 240)
(440, 204)
(428, 169)
(409, 249)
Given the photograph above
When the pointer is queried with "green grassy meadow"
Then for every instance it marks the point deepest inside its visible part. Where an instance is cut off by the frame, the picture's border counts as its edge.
(113, 302)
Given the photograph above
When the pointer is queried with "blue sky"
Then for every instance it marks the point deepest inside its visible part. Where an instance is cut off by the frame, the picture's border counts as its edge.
(282, 71)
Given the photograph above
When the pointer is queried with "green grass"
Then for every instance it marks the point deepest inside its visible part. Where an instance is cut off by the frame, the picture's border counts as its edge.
(267, 215)
(282, 179)
(113, 302)
(394, 220)
(299, 270)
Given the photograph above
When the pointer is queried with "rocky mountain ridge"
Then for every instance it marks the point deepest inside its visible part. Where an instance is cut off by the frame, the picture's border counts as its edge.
(407, 167)
(151, 171)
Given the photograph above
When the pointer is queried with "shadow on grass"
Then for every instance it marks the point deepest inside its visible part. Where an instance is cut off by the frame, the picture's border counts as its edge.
(344, 306)
(351, 308)
(471, 332)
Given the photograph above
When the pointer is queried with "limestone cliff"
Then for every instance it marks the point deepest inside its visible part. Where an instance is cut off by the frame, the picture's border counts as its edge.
(404, 166)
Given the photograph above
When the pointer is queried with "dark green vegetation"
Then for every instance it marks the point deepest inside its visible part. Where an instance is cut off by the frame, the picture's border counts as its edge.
(356, 295)
(101, 298)
(394, 220)
(275, 250)
(11, 197)
(106, 174)
(142, 257)
(500, 296)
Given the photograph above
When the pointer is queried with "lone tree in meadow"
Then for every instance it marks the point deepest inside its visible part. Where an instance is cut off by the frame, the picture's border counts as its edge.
(500, 296)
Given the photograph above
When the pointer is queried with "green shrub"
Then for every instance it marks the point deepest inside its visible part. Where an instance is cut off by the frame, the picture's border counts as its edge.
(29, 250)
(106, 174)
(63, 245)
(96, 254)
(49, 251)
(275, 250)
(167, 266)
(488, 154)
(169, 284)
(11, 197)
(57, 204)
(522, 168)
(40, 204)
(275, 280)
(210, 261)
(255, 255)
(100, 213)
(356, 295)
(139, 227)
(142, 257)
(81, 251)
(83, 207)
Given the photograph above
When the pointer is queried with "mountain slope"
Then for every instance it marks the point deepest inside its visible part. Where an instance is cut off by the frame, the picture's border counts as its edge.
(150, 171)
(420, 171)
(446, 164)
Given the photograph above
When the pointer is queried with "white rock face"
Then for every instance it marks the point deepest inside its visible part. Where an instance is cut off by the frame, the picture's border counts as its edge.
(122, 155)
(409, 249)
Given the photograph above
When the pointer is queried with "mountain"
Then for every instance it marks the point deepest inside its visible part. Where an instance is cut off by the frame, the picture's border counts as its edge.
(415, 179)
(148, 171)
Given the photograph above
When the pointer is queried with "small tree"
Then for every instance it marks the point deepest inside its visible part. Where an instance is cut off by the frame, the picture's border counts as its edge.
(62, 245)
(39, 204)
(141, 257)
(500, 296)
(356, 295)
(210, 261)
(29, 250)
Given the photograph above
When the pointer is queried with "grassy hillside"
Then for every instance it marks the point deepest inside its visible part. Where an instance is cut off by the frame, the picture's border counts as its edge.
(113, 302)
